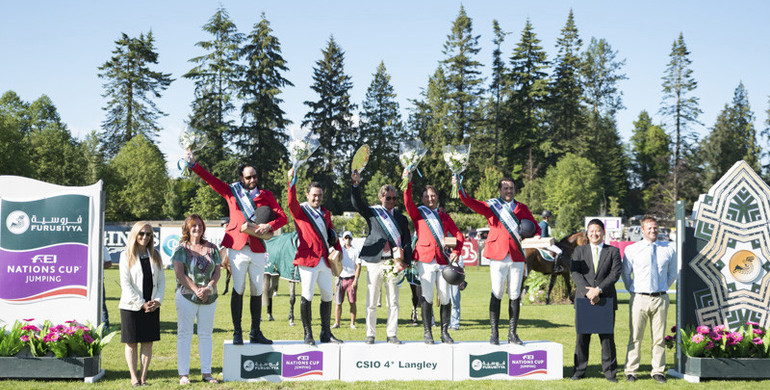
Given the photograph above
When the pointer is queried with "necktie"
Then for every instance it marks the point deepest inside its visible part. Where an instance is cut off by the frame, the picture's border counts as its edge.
(596, 258)
(654, 268)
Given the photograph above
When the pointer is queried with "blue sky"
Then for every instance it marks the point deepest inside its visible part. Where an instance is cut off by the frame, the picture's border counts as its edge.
(55, 47)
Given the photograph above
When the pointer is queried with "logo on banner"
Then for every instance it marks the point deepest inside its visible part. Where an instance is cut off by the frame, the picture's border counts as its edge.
(489, 364)
(17, 222)
(284, 365)
(170, 243)
(534, 362)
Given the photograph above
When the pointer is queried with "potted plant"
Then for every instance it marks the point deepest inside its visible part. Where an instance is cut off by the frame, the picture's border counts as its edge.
(69, 350)
(720, 353)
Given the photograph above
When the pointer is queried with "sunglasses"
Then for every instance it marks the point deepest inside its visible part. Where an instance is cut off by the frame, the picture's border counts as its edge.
(144, 234)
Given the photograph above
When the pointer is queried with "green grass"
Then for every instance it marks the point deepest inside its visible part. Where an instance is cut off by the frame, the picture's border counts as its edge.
(538, 322)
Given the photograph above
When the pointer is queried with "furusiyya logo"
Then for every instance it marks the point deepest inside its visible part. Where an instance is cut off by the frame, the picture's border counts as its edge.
(170, 243)
(264, 364)
(489, 364)
(17, 222)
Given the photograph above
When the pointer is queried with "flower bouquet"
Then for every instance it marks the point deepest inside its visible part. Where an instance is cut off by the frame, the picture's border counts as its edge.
(300, 149)
(457, 157)
(412, 152)
(63, 340)
(193, 140)
(749, 341)
(390, 271)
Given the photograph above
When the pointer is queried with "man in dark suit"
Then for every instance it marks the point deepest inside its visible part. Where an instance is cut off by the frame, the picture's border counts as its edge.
(389, 239)
(596, 268)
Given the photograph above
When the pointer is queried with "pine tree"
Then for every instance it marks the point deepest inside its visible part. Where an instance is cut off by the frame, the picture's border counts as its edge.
(381, 126)
(130, 89)
(331, 118)
(528, 82)
(732, 138)
(463, 77)
(497, 85)
(650, 153)
(565, 112)
(262, 137)
(215, 75)
(678, 104)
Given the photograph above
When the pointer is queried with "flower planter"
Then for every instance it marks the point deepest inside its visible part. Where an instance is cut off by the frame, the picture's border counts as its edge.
(49, 367)
(726, 368)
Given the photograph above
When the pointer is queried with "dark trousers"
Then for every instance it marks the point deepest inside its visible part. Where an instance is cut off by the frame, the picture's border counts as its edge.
(609, 356)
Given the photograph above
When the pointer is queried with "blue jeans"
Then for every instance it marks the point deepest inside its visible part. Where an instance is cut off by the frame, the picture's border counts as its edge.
(454, 298)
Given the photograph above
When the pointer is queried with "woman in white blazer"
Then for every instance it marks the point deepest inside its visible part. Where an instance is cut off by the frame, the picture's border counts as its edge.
(142, 285)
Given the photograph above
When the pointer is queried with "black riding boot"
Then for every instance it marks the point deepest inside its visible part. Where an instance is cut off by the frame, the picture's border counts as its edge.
(513, 315)
(427, 319)
(256, 336)
(446, 314)
(236, 311)
(494, 318)
(305, 311)
(326, 332)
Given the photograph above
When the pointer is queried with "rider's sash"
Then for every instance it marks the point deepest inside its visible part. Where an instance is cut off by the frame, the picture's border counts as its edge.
(319, 223)
(388, 224)
(242, 199)
(434, 225)
(504, 213)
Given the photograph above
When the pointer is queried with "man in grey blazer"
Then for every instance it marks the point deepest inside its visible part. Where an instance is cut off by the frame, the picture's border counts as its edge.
(389, 238)
(596, 268)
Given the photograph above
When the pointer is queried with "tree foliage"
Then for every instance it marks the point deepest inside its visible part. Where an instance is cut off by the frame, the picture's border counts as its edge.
(135, 182)
(572, 191)
(130, 89)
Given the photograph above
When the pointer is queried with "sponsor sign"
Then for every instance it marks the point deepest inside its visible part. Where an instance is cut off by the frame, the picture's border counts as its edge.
(280, 361)
(533, 360)
(470, 255)
(49, 251)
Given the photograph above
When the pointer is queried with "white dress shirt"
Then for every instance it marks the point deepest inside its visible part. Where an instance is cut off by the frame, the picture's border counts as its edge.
(638, 275)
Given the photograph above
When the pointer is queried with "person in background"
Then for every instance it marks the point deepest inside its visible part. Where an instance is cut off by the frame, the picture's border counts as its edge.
(545, 227)
(142, 286)
(649, 269)
(347, 282)
(196, 266)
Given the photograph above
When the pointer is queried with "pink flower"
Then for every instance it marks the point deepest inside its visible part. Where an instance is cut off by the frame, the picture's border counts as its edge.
(703, 329)
(669, 338)
(29, 320)
(24, 338)
(752, 323)
(757, 341)
(709, 345)
(87, 338)
(30, 327)
(759, 332)
(697, 338)
(673, 329)
(737, 337)
(715, 336)
(720, 328)
(70, 330)
(70, 322)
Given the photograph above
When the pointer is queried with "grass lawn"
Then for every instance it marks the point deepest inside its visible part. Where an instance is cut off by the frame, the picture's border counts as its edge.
(538, 322)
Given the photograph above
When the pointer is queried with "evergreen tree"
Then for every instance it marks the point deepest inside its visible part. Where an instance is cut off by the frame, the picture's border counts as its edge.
(261, 140)
(566, 91)
(650, 153)
(525, 138)
(732, 138)
(130, 89)
(381, 126)
(215, 76)
(497, 86)
(600, 73)
(679, 104)
(463, 77)
(431, 123)
(134, 180)
(573, 191)
(331, 118)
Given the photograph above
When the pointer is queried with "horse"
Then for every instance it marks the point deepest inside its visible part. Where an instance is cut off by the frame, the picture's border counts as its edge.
(535, 262)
